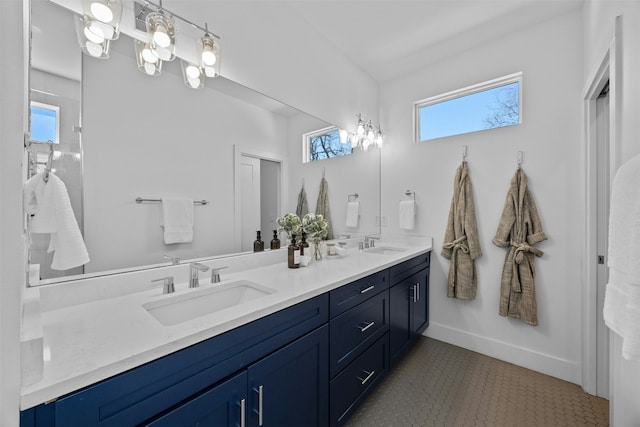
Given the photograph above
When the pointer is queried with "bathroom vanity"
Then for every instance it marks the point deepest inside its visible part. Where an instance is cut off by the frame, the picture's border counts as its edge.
(305, 355)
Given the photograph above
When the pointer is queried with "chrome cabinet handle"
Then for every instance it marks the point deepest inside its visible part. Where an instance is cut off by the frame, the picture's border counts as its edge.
(364, 328)
(242, 411)
(418, 290)
(368, 374)
(365, 290)
(414, 297)
(259, 411)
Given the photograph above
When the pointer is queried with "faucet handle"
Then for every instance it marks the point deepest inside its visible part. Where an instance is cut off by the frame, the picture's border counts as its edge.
(174, 259)
(215, 274)
(168, 287)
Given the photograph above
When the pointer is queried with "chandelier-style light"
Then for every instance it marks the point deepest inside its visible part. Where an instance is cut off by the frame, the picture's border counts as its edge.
(147, 61)
(366, 135)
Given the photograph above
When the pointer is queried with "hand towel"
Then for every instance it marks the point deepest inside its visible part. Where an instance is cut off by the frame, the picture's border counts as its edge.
(302, 209)
(50, 209)
(353, 210)
(177, 218)
(322, 206)
(622, 294)
(406, 214)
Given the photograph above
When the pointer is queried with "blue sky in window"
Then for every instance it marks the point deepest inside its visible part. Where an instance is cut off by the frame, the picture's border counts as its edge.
(459, 115)
(43, 124)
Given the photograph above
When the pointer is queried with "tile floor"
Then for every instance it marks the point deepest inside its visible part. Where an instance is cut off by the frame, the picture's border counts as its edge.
(438, 384)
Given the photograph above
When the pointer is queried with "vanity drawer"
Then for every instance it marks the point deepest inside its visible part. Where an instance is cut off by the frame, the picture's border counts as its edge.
(356, 329)
(402, 271)
(352, 385)
(347, 296)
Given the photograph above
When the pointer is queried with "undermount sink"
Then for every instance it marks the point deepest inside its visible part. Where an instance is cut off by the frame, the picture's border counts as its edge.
(385, 250)
(200, 302)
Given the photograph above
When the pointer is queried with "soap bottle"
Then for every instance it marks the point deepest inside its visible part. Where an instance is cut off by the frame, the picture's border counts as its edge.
(275, 242)
(303, 243)
(293, 253)
(258, 245)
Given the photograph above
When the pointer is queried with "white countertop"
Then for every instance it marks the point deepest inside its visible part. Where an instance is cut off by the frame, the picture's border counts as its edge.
(93, 340)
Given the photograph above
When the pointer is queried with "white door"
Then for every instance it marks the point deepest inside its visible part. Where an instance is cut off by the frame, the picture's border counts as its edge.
(250, 201)
(602, 201)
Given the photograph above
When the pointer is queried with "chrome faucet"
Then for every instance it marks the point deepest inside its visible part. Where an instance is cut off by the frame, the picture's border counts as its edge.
(194, 268)
(174, 259)
(215, 274)
(370, 241)
(167, 282)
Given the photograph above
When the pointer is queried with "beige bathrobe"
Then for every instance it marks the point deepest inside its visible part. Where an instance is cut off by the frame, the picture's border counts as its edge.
(461, 244)
(518, 231)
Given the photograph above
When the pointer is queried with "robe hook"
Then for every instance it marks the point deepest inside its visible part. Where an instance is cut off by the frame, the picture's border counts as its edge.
(520, 156)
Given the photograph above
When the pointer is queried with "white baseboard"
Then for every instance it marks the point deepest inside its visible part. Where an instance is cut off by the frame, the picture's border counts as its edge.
(539, 362)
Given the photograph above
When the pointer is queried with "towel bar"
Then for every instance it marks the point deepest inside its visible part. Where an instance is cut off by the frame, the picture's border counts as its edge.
(195, 202)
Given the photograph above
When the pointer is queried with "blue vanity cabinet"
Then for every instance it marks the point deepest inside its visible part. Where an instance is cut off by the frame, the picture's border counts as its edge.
(358, 343)
(287, 388)
(409, 305)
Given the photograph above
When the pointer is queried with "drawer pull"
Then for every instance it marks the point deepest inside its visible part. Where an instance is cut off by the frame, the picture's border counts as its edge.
(418, 290)
(364, 328)
(365, 290)
(242, 411)
(368, 374)
(259, 410)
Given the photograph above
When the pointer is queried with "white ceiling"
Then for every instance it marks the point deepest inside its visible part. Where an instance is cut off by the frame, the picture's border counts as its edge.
(390, 38)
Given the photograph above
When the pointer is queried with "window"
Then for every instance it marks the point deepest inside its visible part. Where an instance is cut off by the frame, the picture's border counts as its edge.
(45, 122)
(323, 144)
(487, 105)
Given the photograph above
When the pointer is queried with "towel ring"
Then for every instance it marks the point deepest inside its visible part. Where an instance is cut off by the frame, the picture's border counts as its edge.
(352, 197)
(409, 193)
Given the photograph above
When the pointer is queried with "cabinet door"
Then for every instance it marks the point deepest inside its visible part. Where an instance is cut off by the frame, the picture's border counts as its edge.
(419, 302)
(400, 328)
(291, 386)
(222, 406)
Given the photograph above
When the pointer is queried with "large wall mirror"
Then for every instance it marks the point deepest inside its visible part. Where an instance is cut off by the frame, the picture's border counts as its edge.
(124, 135)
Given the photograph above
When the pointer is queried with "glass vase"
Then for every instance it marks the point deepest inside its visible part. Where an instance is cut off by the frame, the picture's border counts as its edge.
(317, 253)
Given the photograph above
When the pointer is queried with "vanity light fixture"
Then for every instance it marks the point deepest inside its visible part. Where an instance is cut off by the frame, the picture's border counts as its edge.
(162, 31)
(148, 63)
(366, 135)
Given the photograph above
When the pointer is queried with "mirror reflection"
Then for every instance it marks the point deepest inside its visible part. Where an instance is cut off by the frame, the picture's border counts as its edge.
(124, 135)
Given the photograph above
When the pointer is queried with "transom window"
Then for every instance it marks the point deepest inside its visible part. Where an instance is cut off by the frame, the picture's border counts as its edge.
(45, 122)
(488, 105)
(323, 144)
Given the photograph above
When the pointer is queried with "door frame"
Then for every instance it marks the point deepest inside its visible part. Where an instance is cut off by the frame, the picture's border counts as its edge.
(238, 152)
(609, 70)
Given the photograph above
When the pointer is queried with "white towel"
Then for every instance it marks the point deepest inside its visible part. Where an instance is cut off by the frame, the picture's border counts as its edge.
(622, 296)
(353, 211)
(177, 219)
(49, 205)
(406, 214)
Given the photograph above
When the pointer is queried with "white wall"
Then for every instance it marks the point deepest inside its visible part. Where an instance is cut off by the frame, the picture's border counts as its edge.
(599, 31)
(11, 249)
(550, 56)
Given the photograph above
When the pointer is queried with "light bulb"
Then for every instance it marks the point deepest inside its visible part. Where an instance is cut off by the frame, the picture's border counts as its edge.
(148, 56)
(208, 57)
(343, 135)
(370, 135)
(194, 82)
(101, 12)
(93, 33)
(360, 129)
(149, 68)
(379, 139)
(160, 36)
(354, 140)
(193, 72)
(210, 72)
(93, 49)
(365, 144)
